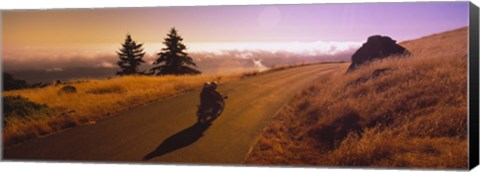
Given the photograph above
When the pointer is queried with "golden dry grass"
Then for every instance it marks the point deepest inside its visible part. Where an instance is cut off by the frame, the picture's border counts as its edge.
(414, 114)
(96, 99)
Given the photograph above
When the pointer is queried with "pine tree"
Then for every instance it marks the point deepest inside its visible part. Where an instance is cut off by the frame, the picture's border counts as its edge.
(173, 60)
(131, 56)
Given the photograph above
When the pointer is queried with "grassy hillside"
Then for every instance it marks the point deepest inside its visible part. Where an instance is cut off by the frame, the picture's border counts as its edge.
(397, 112)
(94, 99)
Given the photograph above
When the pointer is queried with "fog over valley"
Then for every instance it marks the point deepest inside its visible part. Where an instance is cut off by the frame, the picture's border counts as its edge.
(45, 64)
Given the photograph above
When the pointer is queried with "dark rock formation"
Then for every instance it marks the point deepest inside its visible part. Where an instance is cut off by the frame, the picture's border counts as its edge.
(10, 83)
(67, 90)
(376, 47)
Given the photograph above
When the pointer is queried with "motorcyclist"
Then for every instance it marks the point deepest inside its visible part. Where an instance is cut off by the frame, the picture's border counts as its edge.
(211, 102)
(209, 94)
(205, 93)
(214, 93)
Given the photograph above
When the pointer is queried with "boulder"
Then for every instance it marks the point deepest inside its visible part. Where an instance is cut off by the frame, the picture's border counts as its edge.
(68, 89)
(39, 85)
(57, 82)
(376, 47)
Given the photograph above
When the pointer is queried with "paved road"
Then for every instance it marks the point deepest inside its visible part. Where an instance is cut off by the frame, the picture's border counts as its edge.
(165, 131)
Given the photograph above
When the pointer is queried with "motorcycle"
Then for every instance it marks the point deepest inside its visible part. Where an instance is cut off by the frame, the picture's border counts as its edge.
(208, 113)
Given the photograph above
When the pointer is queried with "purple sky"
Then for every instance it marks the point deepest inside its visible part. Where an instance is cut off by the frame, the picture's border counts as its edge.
(315, 29)
(318, 22)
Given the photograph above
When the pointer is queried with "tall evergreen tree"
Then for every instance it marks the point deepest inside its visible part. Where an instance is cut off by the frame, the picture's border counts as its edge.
(131, 56)
(173, 60)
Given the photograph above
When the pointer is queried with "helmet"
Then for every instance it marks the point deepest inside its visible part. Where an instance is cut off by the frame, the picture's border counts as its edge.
(206, 84)
(214, 84)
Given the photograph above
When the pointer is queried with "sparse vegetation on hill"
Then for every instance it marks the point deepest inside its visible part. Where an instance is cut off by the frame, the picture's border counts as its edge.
(395, 112)
(283, 67)
(19, 106)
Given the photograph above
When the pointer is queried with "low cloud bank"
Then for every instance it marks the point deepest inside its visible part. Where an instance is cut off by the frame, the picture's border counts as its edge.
(33, 64)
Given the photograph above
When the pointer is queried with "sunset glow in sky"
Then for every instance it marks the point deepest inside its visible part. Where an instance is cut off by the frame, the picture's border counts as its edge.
(299, 28)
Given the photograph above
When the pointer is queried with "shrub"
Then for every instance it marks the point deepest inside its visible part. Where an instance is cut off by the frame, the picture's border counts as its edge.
(20, 106)
(67, 90)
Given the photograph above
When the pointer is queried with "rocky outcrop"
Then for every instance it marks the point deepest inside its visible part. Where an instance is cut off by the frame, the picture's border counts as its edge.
(376, 47)
(67, 90)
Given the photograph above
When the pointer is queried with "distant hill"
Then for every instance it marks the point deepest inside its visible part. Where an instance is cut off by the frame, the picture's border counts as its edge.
(36, 76)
